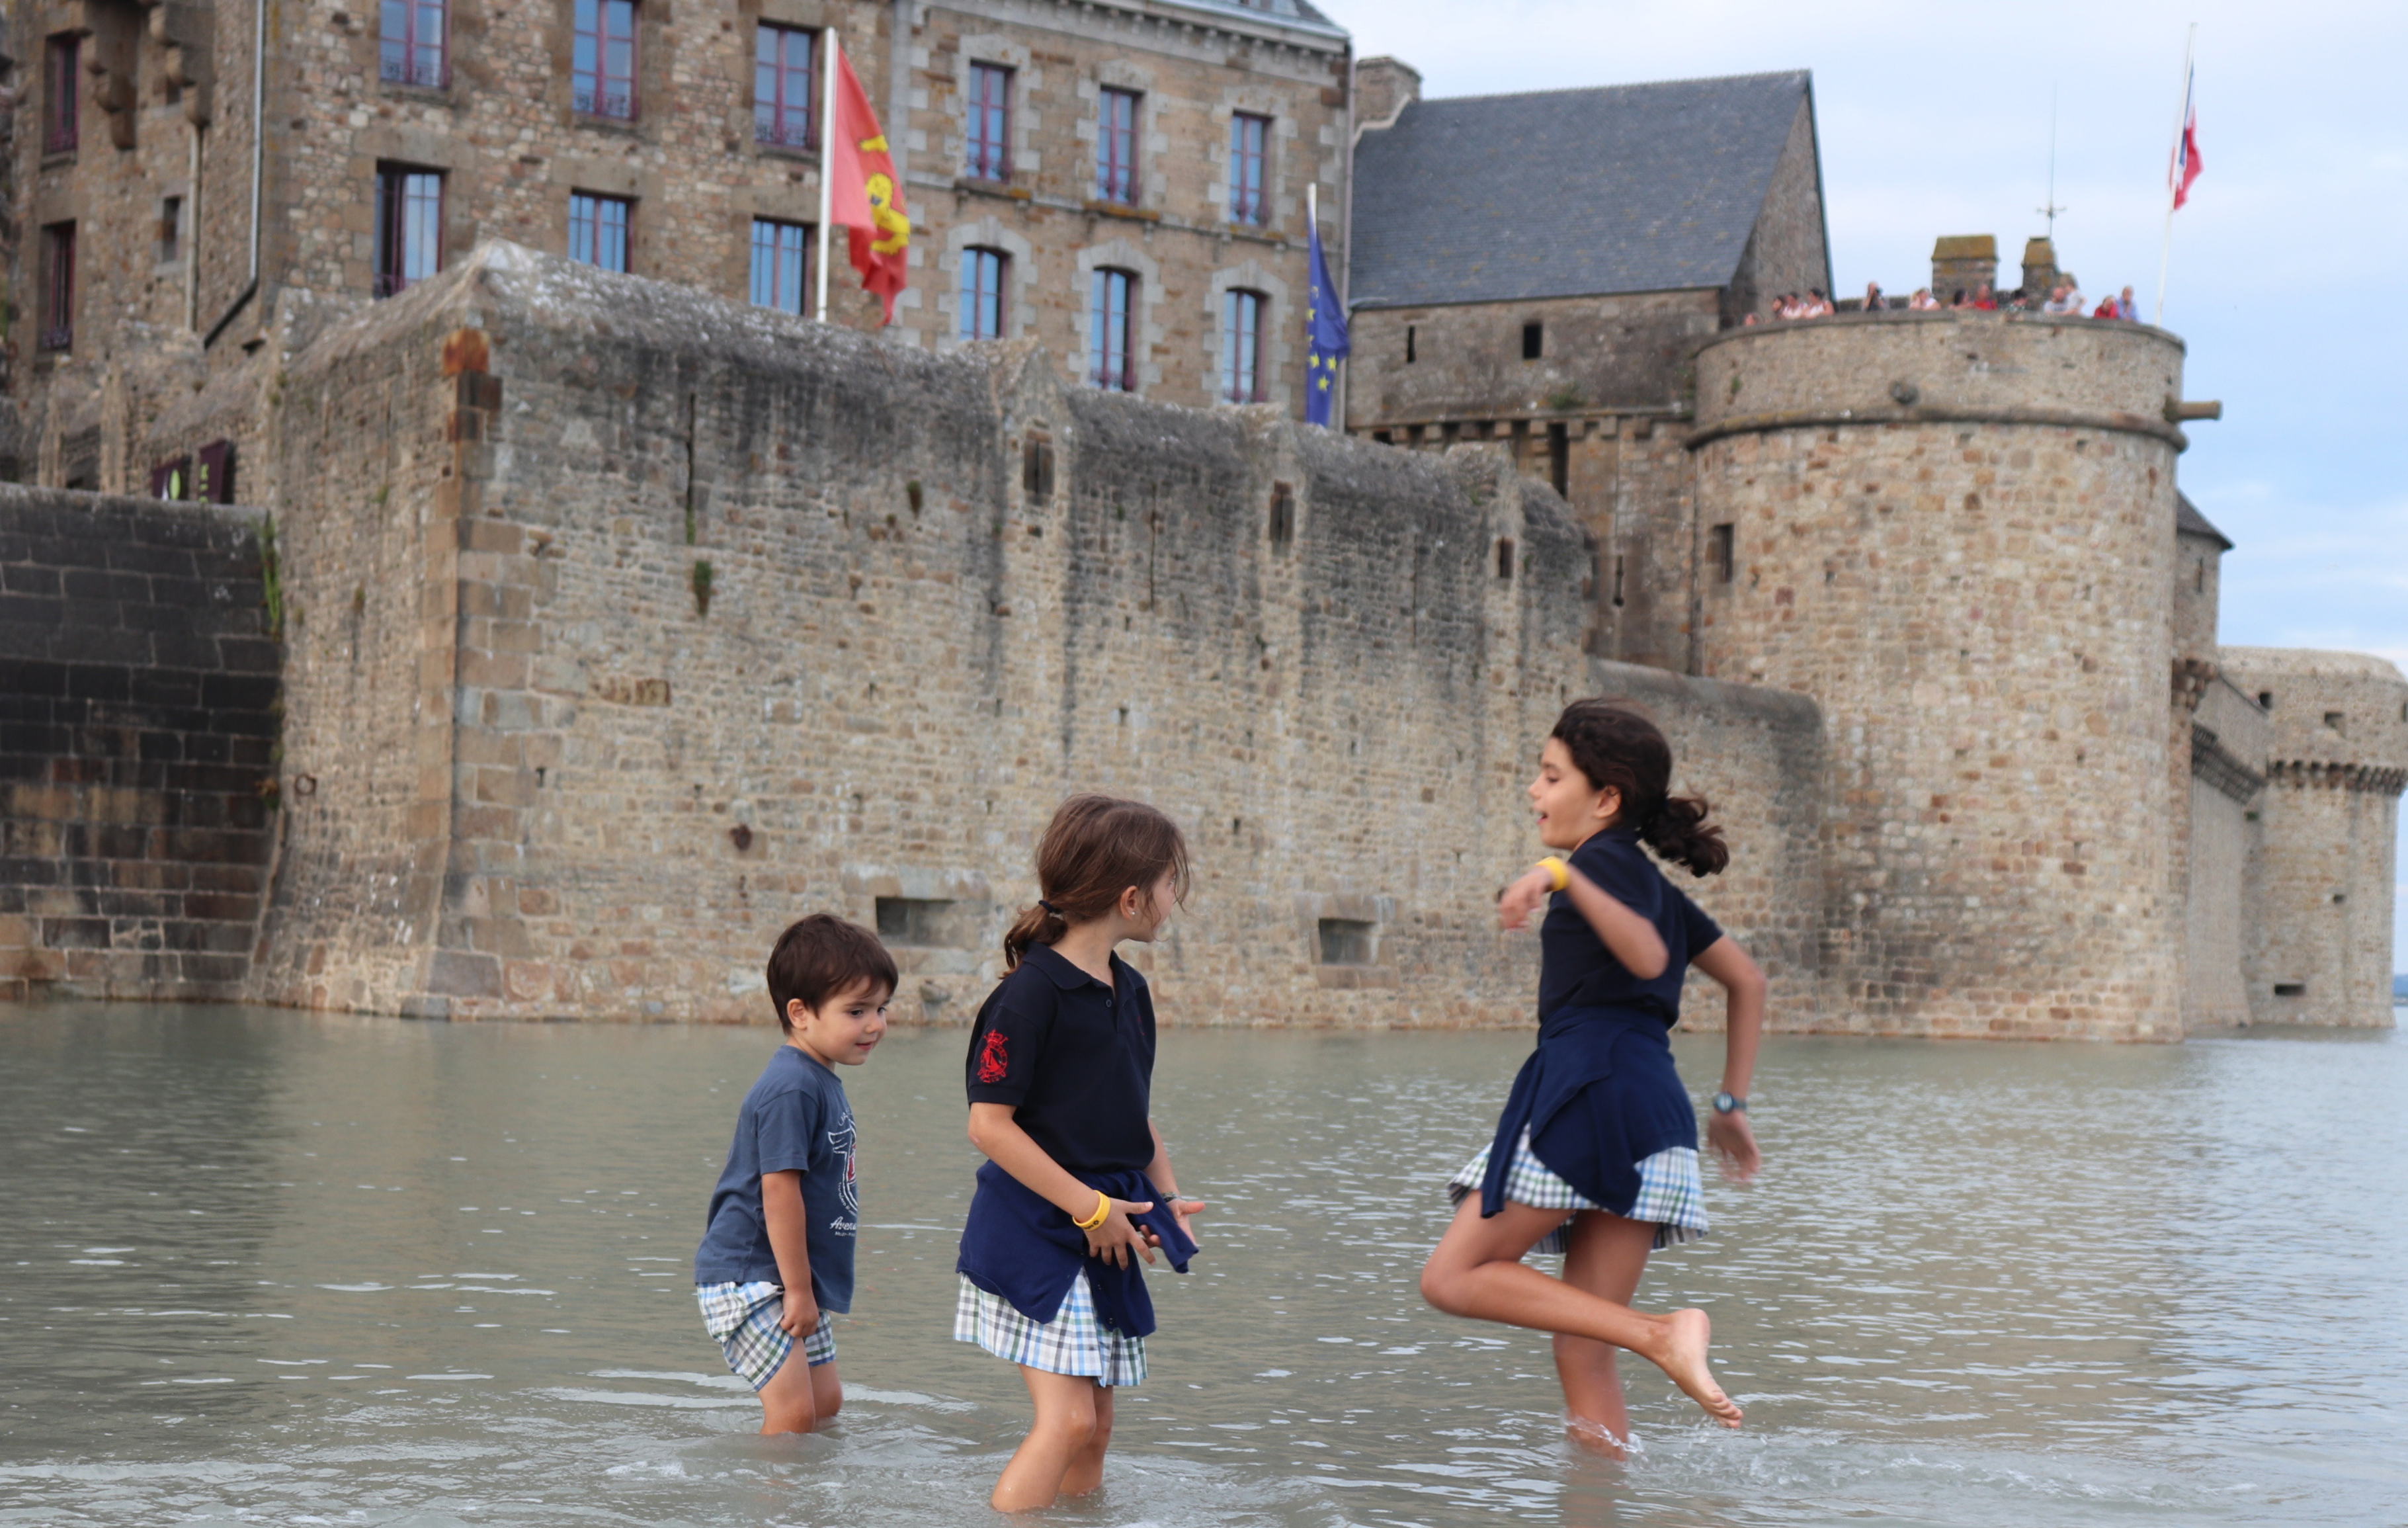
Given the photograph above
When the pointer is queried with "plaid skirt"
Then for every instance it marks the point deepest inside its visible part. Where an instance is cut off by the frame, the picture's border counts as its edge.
(744, 1320)
(1671, 1193)
(1074, 1342)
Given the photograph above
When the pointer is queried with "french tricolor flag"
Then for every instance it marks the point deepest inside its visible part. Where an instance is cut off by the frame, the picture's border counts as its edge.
(2185, 166)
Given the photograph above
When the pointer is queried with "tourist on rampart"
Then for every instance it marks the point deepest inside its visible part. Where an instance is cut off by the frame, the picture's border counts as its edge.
(1596, 1155)
(1076, 1186)
(1923, 302)
(1817, 305)
(775, 1259)
(2117, 308)
(1874, 301)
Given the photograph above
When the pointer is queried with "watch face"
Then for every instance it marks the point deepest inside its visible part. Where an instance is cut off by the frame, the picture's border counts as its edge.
(1724, 1102)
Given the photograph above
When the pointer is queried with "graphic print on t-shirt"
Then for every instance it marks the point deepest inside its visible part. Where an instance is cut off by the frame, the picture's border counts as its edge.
(842, 1140)
(992, 1063)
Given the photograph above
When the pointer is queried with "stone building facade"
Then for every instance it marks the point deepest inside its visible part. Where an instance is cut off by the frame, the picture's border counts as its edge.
(1674, 211)
(185, 170)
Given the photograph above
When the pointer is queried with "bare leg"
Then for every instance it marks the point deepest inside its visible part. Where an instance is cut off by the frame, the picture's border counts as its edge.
(1477, 1270)
(1607, 1255)
(1064, 1430)
(1086, 1471)
(790, 1401)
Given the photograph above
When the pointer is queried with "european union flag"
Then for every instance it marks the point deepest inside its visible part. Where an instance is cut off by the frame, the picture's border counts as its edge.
(1326, 336)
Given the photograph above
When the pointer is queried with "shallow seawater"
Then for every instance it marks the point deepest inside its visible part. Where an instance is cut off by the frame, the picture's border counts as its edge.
(268, 1267)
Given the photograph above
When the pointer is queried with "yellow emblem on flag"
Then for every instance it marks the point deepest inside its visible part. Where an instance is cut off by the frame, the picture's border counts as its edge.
(895, 229)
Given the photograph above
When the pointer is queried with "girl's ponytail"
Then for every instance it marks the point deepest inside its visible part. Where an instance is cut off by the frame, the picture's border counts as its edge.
(1038, 925)
(1096, 848)
(1680, 833)
(1615, 745)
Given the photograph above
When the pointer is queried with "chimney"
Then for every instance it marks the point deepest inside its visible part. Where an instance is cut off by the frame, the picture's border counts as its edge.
(2040, 274)
(1962, 263)
(1382, 88)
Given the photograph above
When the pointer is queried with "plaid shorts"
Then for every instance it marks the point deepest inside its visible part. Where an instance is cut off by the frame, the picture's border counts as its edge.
(1671, 1194)
(744, 1318)
(1074, 1342)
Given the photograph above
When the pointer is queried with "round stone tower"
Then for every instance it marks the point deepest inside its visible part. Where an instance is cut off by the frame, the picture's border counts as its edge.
(1955, 532)
(2317, 944)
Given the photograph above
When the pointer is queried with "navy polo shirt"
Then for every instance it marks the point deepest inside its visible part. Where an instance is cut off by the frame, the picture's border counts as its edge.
(1073, 1056)
(1577, 971)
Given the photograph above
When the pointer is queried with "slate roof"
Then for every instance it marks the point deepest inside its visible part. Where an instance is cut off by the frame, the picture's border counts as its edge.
(2189, 522)
(1568, 193)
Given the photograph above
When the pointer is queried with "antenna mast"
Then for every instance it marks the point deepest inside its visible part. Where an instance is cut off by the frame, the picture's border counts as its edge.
(2051, 210)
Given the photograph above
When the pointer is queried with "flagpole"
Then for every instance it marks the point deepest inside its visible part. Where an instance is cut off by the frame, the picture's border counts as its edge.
(827, 148)
(2174, 181)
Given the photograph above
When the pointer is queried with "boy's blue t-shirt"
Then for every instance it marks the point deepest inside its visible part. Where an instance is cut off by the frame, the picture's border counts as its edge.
(795, 1119)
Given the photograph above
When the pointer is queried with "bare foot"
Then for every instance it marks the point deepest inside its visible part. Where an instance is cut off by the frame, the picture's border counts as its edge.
(1595, 1437)
(1684, 1357)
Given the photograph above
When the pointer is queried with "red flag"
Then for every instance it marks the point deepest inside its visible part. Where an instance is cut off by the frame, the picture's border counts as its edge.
(2185, 166)
(862, 195)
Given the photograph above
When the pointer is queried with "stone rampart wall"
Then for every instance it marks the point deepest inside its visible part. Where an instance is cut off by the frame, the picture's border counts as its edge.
(139, 716)
(556, 777)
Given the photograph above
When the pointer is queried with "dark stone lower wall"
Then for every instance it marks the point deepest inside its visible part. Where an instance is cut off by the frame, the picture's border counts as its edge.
(139, 718)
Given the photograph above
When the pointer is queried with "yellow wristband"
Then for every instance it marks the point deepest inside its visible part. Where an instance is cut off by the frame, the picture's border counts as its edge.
(1103, 1213)
(1557, 870)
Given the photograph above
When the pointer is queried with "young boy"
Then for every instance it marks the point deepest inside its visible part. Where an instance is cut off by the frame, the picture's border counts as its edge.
(777, 1257)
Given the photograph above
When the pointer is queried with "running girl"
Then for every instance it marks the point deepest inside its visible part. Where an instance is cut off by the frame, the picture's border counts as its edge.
(1597, 1154)
(1077, 1185)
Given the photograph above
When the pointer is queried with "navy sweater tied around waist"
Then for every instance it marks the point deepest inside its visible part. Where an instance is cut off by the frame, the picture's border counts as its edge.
(1018, 1245)
(1598, 1097)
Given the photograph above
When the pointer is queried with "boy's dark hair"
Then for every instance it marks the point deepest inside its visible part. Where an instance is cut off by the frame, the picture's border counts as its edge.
(1096, 848)
(1615, 745)
(824, 956)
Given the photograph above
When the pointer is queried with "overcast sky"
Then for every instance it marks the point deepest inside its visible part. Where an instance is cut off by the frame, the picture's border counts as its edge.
(2287, 268)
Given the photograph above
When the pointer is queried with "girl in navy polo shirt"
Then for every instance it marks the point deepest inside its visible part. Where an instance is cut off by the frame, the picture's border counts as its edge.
(1596, 1153)
(1077, 1185)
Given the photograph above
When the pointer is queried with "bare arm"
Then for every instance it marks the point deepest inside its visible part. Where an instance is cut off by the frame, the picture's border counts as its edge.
(1743, 988)
(783, 1216)
(1632, 939)
(995, 1131)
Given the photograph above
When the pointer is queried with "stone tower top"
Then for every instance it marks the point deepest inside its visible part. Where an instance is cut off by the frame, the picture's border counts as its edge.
(1929, 367)
(1384, 87)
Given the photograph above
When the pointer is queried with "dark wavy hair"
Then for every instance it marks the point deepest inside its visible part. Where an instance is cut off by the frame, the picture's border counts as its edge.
(1616, 746)
(823, 957)
(1096, 848)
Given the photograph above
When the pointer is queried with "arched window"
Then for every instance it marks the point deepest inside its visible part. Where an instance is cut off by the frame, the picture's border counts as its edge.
(989, 140)
(1249, 136)
(1116, 147)
(1111, 331)
(1241, 345)
(983, 273)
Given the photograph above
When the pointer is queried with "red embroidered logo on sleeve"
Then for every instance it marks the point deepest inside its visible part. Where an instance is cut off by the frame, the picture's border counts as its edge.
(992, 1063)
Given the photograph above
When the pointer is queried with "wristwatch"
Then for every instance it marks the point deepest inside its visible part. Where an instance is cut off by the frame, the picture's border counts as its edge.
(1725, 1103)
